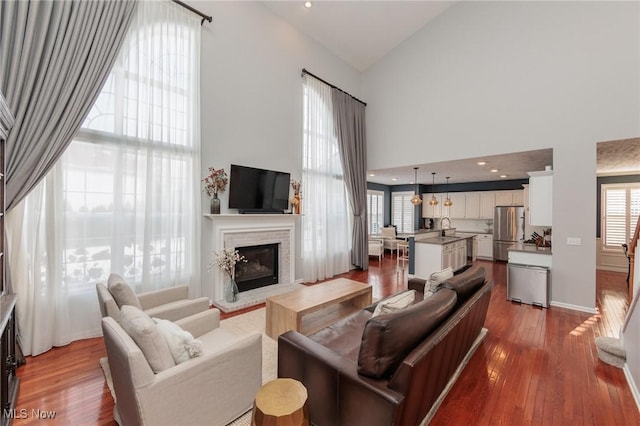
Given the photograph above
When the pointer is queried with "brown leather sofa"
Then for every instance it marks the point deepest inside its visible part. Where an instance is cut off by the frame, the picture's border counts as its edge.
(390, 369)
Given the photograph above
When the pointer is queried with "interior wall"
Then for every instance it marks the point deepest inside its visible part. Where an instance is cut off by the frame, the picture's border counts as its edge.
(491, 78)
(251, 93)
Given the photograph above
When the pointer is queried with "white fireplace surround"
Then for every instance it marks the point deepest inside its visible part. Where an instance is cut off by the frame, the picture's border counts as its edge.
(241, 230)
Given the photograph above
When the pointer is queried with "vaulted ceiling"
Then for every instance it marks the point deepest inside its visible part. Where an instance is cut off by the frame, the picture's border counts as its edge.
(361, 33)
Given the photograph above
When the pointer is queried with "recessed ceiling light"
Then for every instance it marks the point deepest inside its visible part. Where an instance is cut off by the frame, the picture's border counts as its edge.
(394, 179)
(307, 4)
(372, 174)
(481, 163)
(494, 170)
(503, 176)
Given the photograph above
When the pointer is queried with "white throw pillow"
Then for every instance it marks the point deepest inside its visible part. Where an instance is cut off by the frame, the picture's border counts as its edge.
(395, 303)
(435, 279)
(144, 332)
(181, 343)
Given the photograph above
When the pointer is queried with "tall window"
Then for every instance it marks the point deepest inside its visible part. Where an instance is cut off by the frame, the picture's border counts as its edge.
(402, 211)
(375, 211)
(620, 207)
(326, 224)
(124, 197)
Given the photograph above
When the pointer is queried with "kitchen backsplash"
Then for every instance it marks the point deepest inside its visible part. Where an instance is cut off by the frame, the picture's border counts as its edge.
(473, 225)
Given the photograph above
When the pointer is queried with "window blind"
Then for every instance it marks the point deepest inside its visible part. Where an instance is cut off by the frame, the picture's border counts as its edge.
(375, 209)
(621, 207)
(402, 211)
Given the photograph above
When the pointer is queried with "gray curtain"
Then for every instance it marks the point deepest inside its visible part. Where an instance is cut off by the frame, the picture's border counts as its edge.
(349, 119)
(54, 59)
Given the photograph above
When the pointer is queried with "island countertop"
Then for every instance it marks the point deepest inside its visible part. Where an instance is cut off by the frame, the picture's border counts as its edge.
(444, 240)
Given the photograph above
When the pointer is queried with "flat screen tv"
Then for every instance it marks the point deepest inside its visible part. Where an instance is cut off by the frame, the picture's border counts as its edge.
(253, 190)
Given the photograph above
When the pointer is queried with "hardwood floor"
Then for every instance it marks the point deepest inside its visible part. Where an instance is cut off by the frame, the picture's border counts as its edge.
(536, 366)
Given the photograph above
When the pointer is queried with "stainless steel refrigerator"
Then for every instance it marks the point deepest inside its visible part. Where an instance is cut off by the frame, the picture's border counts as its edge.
(508, 229)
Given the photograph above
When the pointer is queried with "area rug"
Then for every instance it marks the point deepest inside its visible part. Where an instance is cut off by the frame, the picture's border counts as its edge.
(255, 321)
(242, 324)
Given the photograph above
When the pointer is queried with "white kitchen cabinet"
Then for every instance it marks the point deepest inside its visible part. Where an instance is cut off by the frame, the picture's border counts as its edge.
(485, 246)
(430, 258)
(503, 198)
(509, 198)
(472, 205)
(447, 256)
(541, 198)
(487, 204)
(461, 254)
(432, 211)
(457, 210)
(474, 253)
(518, 197)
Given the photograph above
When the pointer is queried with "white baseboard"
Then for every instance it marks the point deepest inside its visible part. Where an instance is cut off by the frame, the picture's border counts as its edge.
(612, 268)
(574, 307)
(632, 385)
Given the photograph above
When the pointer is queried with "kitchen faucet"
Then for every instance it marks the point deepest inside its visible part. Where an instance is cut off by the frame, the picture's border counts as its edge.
(442, 224)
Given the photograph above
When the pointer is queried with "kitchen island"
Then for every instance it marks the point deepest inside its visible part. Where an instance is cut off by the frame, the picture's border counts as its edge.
(433, 253)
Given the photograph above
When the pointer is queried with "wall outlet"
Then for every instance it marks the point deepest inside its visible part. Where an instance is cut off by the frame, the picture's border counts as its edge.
(574, 241)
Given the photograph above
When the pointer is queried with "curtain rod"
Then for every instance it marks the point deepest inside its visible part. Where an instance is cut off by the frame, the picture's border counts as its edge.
(194, 10)
(304, 71)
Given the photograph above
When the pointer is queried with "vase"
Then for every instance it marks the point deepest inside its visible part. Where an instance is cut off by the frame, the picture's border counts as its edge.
(297, 209)
(231, 292)
(215, 204)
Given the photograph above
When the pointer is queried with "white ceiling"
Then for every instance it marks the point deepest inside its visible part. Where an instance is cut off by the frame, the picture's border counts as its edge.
(619, 157)
(359, 32)
(514, 166)
(362, 32)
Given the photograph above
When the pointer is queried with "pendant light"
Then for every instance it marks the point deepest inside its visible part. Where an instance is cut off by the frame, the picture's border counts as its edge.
(433, 201)
(448, 202)
(416, 200)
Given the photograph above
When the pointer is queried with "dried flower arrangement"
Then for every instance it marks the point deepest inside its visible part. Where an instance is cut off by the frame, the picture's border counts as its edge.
(226, 260)
(215, 182)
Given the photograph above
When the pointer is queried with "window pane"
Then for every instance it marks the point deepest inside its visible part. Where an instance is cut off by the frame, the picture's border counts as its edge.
(375, 205)
(402, 211)
(621, 207)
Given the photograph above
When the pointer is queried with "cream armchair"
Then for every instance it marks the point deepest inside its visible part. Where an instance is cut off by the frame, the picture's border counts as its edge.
(213, 388)
(171, 303)
(389, 238)
(376, 248)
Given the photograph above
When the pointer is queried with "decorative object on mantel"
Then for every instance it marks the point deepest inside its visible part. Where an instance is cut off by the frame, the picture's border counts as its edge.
(226, 260)
(296, 200)
(215, 182)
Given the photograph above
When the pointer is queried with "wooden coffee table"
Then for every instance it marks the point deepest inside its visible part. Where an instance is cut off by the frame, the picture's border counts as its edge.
(311, 308)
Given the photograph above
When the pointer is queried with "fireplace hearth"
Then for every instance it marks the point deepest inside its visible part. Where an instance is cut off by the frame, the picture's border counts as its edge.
(260, 268)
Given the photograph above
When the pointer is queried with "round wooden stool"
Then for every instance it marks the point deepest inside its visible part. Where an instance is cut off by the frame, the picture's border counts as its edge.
(281, 402)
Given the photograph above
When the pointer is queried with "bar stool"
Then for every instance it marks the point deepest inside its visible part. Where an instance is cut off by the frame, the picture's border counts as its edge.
(403, 255)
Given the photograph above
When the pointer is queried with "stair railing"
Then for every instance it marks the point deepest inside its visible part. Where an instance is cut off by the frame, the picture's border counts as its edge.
(632, 253)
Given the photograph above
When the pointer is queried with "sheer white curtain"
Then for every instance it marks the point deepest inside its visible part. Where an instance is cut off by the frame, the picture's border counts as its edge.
(124, 197)
(326, 230)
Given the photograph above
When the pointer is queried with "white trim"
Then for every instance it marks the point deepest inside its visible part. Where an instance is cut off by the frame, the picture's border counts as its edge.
(632, 385)
(226, 226)
(574, 307)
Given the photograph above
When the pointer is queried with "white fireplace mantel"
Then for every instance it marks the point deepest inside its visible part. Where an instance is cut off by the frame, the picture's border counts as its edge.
(237, 230)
